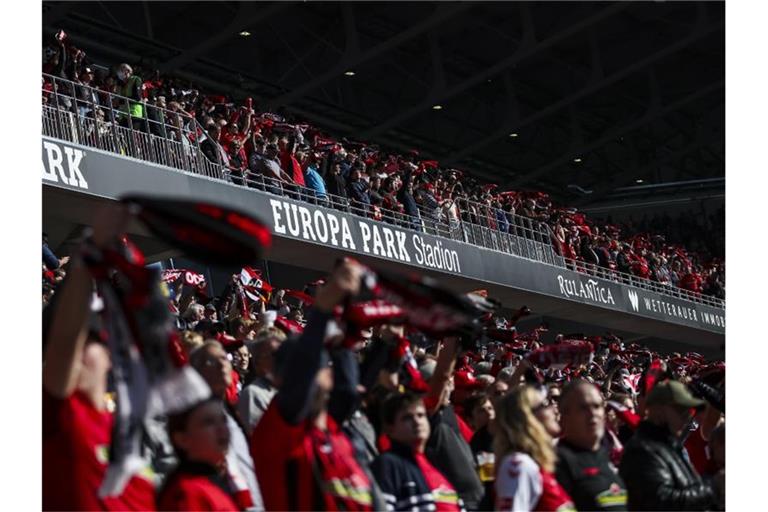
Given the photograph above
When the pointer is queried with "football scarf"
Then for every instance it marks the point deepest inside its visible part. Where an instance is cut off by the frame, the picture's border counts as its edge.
(150, 375)
(561, 355)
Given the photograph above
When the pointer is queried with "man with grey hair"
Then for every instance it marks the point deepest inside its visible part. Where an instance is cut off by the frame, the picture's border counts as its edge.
(505, 375)
(211, 362)
(486, 380)
(193, 314)
(483, 368)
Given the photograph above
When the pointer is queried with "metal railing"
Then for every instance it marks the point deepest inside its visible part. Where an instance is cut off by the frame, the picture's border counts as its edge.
(91, 117)
(641, 282)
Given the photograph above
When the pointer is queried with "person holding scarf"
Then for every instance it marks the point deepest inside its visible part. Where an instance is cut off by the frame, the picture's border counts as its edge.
(303, 460)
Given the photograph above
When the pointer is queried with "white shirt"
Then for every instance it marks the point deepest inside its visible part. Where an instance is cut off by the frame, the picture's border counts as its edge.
(518, 482)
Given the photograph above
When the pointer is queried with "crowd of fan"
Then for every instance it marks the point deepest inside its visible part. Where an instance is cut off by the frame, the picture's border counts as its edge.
(304, 417)
(260, 146)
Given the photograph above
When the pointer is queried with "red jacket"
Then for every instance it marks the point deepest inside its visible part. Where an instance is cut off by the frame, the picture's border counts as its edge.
(76, 439)
(290, 459)
(193, 487)
(290, 165)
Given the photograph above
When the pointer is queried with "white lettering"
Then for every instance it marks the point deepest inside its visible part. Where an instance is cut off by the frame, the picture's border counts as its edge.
(346, 236)
(333, 223)
(389, 238)
(378, 244)
(55, 162)
(74, 157)
(292, 216)
(404, 256)
(366, 231)
(321, 226)
(277, 207)
(448, 261)
(592, 291)
(306, 224)
(455, 257)
(430, 255)
(419, 253)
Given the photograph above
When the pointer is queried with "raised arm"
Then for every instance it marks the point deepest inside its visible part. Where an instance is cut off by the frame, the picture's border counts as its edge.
(294, 398)
(247, 128)
(446, 362)
(68, 332)
(298, 382)
(346, 376)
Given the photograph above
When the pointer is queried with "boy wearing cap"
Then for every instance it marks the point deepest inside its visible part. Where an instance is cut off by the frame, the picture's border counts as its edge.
(655, 468)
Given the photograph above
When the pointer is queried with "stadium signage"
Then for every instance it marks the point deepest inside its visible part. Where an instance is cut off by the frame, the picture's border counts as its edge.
(63, 163)
(97, 173)
(323, 226)
(643, 304)
(592, 290)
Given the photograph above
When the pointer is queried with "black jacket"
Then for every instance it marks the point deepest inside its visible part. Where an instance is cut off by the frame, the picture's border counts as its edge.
(358, 191)
(658, 474)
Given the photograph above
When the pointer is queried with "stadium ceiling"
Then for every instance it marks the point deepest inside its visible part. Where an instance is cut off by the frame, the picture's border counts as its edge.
(566, 97)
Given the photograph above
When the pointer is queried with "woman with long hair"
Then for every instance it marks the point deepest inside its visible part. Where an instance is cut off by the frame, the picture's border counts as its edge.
(523, 445)
(200, 437)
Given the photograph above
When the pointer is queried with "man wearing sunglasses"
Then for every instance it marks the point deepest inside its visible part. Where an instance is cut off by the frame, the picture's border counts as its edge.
(655, 467)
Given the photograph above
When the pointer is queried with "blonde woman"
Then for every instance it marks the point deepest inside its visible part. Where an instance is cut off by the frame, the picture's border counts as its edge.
(525, 426)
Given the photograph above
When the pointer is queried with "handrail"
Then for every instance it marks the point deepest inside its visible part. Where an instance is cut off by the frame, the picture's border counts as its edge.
(100, 119)
(88, 116)
(641, 282)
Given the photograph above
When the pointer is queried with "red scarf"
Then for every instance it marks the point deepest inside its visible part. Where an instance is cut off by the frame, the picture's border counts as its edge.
(343, 484)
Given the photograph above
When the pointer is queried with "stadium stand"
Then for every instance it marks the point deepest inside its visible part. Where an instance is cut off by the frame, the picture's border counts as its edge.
(174, 123)
(365, 389)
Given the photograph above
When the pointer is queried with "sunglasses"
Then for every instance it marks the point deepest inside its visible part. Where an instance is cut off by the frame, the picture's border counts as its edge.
(545, 404)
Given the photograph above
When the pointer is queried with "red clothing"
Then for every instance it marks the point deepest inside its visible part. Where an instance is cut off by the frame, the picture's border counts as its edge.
(466, 430)
(569, 252)
(288, 457)
(226, 143)
(383, 443)
(76, 438)
(232, 394)
(391, 203)
(698, 452)
(194, 492)
(290, 165)
(522, 485)
(691, 282)
(442, 491)
(640, 268)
